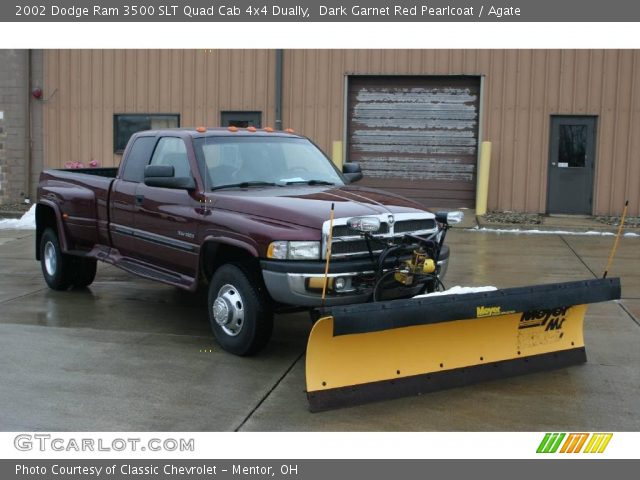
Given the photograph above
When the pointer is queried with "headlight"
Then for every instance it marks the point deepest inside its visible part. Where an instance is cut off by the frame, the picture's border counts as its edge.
(285, 250)
(449, 218)
(455, 217)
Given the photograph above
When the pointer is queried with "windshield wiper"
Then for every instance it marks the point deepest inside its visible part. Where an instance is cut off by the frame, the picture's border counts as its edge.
(245, 185)
(309, 182)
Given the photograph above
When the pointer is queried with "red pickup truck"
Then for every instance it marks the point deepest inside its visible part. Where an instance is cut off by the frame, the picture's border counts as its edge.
(244, 213)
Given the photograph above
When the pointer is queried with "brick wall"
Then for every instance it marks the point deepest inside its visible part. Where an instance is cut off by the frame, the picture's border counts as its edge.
(37, 110)
(14, 98)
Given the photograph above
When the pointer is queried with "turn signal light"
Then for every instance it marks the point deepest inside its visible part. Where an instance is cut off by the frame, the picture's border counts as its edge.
(317, 283)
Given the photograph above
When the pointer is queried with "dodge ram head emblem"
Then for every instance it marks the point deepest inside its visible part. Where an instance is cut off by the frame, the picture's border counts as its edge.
(391, 219)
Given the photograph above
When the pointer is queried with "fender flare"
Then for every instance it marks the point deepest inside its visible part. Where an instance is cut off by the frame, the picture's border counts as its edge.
(62, 236)
(232, 242)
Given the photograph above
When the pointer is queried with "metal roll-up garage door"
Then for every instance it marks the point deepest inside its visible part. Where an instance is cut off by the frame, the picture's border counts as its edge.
(416, 136)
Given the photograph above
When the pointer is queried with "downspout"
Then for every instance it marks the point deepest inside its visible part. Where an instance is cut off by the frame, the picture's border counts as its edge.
(279, 57)
(27, 186)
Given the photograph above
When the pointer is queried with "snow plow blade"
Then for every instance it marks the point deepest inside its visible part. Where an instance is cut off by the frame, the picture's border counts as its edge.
(376, 351)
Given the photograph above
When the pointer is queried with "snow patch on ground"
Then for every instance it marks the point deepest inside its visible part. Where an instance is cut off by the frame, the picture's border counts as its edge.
(26, 222)
(550, 232)
(458, 290)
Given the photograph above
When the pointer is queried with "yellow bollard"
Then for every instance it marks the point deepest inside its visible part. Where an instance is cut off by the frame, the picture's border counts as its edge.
(482, 186)
(336, 154)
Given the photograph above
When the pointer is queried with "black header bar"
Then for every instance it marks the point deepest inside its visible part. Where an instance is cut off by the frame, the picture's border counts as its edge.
(319, 11)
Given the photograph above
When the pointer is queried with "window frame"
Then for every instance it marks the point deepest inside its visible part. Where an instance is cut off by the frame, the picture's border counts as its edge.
(120, 151)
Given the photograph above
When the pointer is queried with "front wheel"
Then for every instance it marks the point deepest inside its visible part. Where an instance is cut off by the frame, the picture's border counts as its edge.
(239, 312)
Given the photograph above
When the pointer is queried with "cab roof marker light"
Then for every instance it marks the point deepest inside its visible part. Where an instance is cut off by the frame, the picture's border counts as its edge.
(251, 129)
(201, 129)
(289, 130)
(268, 129)
(232, 129)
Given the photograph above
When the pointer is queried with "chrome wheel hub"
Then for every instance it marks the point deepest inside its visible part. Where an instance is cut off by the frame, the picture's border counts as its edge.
(50, 259)
(228, 310)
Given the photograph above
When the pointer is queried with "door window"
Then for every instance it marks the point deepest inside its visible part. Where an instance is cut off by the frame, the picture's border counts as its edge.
(572, 148)
(138, 158)
(172, 151)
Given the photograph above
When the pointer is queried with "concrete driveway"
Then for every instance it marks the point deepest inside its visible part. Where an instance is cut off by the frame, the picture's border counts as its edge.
(129, 354)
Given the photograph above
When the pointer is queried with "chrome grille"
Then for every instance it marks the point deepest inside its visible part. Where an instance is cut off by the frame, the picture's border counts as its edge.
(344, 231)
(356, 247)
(414, 225)
(349, 247)
(348, 243)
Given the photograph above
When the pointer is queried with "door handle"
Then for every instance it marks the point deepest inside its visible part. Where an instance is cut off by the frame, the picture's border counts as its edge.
(139, 200)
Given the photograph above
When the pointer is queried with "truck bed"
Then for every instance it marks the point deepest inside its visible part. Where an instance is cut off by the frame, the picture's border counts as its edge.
(82, 195)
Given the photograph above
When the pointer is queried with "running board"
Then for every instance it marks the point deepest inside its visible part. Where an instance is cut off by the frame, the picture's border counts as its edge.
(151, 273)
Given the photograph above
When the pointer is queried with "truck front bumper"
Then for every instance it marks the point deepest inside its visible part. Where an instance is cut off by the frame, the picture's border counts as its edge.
(296, 282)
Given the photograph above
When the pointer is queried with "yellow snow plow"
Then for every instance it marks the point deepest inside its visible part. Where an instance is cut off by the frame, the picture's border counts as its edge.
(389, 349)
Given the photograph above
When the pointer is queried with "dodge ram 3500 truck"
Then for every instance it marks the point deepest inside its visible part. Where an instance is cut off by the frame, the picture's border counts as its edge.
(244, 212)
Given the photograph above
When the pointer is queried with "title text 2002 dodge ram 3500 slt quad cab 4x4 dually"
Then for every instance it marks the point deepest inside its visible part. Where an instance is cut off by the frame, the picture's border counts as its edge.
(245, 212)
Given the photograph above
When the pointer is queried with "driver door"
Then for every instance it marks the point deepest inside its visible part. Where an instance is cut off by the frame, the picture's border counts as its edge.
(166, 218)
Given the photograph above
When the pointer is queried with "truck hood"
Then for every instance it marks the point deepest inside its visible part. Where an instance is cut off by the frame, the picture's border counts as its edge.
(309, 206)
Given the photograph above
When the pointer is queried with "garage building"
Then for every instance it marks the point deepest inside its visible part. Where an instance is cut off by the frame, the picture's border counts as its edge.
(563, 123)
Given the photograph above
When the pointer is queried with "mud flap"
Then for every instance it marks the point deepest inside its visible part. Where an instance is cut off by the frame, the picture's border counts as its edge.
(368, 352)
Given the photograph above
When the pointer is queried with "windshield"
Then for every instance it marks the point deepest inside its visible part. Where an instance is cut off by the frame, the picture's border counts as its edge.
(246, 161)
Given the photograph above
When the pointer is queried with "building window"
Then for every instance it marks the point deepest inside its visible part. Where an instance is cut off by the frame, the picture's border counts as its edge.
(241, 119)
(126, 124)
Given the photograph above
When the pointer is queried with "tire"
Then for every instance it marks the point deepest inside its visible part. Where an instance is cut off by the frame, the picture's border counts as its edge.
(56, 266)
(239, 311)
(83, 271)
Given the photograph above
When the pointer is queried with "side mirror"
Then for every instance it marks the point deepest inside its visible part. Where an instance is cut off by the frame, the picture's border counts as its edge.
(159, 171)
(163, 176)
(352, 171)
